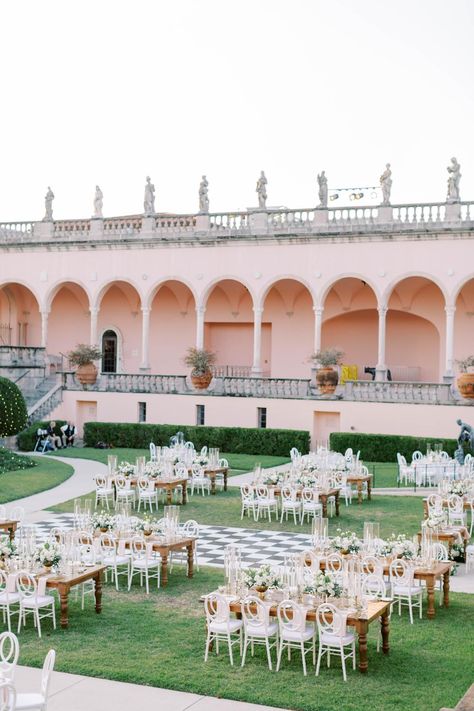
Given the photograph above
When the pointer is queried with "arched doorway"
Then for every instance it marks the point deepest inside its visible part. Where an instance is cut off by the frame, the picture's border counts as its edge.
(69, 318)
(109, 351)
(20, 320)
(119, 306)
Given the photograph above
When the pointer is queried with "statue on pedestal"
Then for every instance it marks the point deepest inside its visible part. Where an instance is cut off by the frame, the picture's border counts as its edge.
(454, 179)
(386, 184)
(98, 202)
(204, 195)
(466, 435)
(149, 201)
(323, 189)
(48, 204)
(262, 190)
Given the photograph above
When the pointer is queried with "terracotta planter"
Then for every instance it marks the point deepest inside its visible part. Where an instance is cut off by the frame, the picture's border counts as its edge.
(201, 382)
(87, 374)
(327, 380)
(465, 385)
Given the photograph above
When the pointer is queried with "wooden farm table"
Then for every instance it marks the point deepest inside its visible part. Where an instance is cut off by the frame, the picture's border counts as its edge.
(10, 527)
(323, 498)
(169, 485)
(359, 481)
(377, 610)
(450, 537)
(164, 549)
(64, 583)
(468, 506)
(212, 474)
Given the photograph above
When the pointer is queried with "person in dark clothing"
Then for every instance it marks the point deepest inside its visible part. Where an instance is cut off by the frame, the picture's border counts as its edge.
(68, 434)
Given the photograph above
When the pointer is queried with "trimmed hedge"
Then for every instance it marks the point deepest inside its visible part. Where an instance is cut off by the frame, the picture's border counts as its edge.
(13, 412)
(27, 438)
(10, 462)
(384, 448)
(228, 439)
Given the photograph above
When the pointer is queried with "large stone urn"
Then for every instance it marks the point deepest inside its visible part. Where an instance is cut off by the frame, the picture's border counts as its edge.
(327, 379)
(87, 374)
(465, 383)
(201, 382)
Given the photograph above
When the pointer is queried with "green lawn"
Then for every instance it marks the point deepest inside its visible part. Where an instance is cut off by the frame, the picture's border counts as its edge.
(159, 641)
(25, 482)
(238, 463)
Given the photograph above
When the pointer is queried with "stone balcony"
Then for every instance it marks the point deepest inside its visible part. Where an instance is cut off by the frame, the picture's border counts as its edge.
(279, 388)
(265, 224)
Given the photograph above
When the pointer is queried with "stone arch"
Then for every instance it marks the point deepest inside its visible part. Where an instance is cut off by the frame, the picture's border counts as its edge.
(69, 316)
(20, 318)
(172, 326)
(119, 305)
(463, 339)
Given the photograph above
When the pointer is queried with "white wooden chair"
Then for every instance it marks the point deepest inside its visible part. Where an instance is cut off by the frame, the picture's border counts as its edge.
(124, 493)
(310, 505)
(9, 653)
(38, 603)
(147, 494)
(403, 587)
(295, 632)
(258, 628)
(290, 503)
(7, 696)
(334, 637)
(145, 563)
(221, 626)
(103, 492)
(38, 701)
(9, 599)
(266, 502)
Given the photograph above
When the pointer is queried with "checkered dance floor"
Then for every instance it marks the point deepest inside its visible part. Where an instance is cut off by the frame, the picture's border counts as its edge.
(255, 545)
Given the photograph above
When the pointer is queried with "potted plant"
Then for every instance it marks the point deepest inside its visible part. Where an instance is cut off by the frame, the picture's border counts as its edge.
(465, 381)
(326, 377)
(200, 362)
(84, 356)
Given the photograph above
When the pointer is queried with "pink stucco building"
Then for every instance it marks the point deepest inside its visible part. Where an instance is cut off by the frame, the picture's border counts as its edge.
(392, 286)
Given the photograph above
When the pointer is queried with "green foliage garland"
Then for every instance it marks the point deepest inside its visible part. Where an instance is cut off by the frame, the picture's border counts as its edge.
(13, 412)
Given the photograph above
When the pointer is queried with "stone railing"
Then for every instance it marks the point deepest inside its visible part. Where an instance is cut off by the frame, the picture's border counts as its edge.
(47, 404)
(24, 356)
(272, 222)
(263, 387)
(239, 371)
(373, 391)
(131, 383)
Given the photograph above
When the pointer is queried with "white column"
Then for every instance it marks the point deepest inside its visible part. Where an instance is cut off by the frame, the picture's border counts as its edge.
(145, 364)
(94, 312)
(44, 328)
(318, 326)
(449, 370)
(257, 342)
(200, 311)
(381, 368)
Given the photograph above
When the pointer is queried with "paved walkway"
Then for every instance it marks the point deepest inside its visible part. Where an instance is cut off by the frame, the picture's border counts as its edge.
(71, 692)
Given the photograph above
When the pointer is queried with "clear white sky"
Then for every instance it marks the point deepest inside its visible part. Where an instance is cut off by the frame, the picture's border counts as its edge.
(108, 91)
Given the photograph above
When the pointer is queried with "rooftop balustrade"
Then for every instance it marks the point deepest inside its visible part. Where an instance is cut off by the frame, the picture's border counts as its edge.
(269, 223)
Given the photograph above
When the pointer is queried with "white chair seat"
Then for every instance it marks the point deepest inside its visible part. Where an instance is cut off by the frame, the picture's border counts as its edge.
(143, 563)
(406, 590)
(266, 502)
(298, 635)
(29, 701)
(118, 560)
(222, 627)
(259, 631)
(39, 601)
(12, 598)
(105, 492)
(334, 640)
(312, 506)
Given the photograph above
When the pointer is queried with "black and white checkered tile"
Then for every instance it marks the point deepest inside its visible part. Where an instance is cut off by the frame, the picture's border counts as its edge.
(255, 545)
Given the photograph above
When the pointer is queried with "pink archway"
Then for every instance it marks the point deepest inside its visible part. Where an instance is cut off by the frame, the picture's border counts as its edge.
(69, 318)
(20, 319)
(172, 327)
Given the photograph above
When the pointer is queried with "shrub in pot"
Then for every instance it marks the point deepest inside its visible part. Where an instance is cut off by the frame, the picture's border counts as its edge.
(326, 376)
(465, 381)
(200, 361)
(84, 356)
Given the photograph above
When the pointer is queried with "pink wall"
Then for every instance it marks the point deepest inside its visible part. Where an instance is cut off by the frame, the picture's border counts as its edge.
(289, 309)
(19, 310)
(69, 320)
(172, 329)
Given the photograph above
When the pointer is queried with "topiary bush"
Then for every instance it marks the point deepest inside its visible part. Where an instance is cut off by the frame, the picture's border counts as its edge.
(13, 412)
(27, 438)
(384, 448)
(9, 461)
(243, 440)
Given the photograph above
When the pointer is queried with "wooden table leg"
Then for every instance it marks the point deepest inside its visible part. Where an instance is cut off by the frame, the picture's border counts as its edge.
(385, 625)
(11, 533)
(359, 492)
(430, 589)
(63, 598)
(337, 504)
(446, 577)
(184, 495)
(213, 486)
(226, 471)
(98, 592)
(324, 502)
(164, 569)
(169, 493)
(363, 661)
(369, 490)
(190, 548)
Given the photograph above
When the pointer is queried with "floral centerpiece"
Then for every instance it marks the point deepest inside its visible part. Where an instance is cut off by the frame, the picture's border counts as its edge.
(261, 578)
(397, 545)
(7, 550)
(126, 469)
(273, 478)
(307, 480)
(459, 487)
(346, 542)
(145, 525)
(436, 520)
(201, 460)
(323, 585)
(153, 469)
(457, 552)
(48, 554)
(103, 520)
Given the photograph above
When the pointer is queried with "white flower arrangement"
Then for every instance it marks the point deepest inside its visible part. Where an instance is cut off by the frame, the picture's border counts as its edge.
(273, 478)
(346, 542)
(48, 554)
(459, 487)
(436, 519)
(201, 460)
(102, 519)
(153, 469)
(402, 546)
(126, 469)
(7, 549)
(264, 577)
(145, 524)
(323, 584)
(307, 480)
